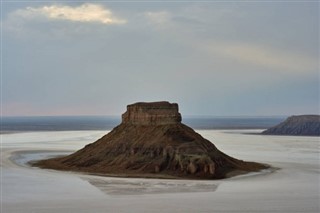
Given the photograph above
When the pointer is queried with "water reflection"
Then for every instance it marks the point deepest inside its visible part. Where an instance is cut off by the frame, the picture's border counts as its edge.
(121, 186)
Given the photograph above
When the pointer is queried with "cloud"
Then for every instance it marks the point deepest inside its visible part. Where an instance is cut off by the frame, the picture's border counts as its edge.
(261, 55)
(177, 27)
(159, 17)
(84, 13)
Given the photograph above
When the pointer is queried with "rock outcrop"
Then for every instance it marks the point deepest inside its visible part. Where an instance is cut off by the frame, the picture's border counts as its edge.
(303, 125)
(151, 141)
(158, 113)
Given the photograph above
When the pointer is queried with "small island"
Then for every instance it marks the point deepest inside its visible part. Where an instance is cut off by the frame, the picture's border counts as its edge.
(302, 125)
(152, 142)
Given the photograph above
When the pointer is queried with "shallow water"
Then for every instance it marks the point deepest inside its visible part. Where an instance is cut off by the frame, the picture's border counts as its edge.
(293, 188)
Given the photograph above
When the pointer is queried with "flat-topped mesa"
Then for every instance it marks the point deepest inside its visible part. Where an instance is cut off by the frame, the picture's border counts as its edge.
(299, 125)
(153, 113)
(151, 141)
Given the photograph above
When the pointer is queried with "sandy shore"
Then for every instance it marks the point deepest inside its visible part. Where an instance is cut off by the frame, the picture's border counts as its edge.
(293, 188)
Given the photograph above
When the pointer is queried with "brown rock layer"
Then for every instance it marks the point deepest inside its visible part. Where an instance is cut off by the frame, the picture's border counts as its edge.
(157, 113)
(151, 141)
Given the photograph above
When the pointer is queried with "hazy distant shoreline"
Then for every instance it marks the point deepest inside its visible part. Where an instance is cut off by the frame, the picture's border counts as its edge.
(82, 123)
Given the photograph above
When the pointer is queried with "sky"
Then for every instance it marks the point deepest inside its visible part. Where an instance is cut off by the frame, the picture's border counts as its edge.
(220, 58)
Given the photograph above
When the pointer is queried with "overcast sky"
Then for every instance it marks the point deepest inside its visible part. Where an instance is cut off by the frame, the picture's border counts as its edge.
(212, 58)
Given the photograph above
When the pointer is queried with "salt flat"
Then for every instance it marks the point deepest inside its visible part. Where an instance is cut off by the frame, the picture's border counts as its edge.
(293, 187)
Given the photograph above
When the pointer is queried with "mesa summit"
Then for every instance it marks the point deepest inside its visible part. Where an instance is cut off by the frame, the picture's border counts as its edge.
(152, 142)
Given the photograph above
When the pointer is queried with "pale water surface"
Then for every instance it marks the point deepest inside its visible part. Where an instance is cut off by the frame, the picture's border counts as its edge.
(294, 187)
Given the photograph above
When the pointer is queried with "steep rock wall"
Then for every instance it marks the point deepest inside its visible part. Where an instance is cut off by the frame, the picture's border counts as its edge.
(156, 113)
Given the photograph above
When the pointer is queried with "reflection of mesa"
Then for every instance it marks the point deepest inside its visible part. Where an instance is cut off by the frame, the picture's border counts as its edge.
(151, 141)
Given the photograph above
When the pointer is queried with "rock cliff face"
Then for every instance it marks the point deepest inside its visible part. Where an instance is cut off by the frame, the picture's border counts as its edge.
(304, 125)
(157, 113)
(151, 141)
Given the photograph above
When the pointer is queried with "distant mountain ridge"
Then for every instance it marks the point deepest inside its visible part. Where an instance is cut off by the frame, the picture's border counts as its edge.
(301, 125)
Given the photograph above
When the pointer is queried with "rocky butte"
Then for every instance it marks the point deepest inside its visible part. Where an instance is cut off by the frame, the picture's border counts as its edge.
(299, 125)
(151, 141)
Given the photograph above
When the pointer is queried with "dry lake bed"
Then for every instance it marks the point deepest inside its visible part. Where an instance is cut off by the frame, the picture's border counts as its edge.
(293, 185)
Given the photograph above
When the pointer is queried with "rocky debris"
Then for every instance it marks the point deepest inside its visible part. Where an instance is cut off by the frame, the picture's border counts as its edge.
(302, 125)
(151, 141)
